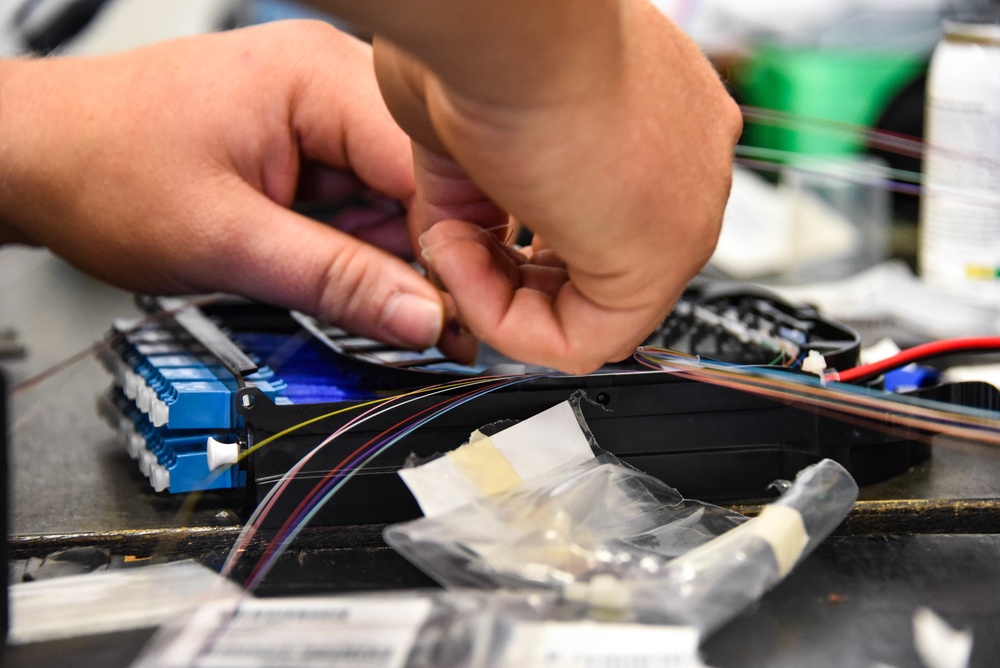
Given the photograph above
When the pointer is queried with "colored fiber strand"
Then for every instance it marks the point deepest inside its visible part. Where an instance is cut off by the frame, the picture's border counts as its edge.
(192, 498)
(379, 407)
(899, 181)
(893, 142)
(891, 411)
(890, 141)
(97, 346)
(918, 354)
(339, 475)
(894, 180)
(332, 482)
(832, 166)
(252, 526)
(57, 368)
(375, 407)
(780, 167)
(804, 385)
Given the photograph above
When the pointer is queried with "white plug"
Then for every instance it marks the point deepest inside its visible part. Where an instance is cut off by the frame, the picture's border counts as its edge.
(814, 363)
(221, 454)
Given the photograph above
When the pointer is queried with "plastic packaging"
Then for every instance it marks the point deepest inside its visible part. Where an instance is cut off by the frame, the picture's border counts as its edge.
(436, 629)
(112, 600)
(626, 546)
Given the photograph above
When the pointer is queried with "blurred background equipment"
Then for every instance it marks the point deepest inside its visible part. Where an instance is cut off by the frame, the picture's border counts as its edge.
(960, 210)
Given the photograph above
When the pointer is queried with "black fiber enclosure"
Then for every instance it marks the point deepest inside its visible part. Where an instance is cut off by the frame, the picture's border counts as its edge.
(710, 442)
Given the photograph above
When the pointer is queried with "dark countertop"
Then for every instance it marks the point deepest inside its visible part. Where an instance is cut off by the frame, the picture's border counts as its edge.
(928, 537)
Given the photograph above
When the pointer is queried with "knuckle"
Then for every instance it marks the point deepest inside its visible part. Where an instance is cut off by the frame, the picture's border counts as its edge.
(341, 294)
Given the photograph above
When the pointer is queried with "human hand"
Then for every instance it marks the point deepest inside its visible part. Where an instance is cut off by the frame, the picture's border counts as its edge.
(171, 169)
(598, 125)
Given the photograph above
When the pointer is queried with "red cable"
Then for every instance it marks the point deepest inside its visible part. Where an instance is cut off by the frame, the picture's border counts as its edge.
(916, 354)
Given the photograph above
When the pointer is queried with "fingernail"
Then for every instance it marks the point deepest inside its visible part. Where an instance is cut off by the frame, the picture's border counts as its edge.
(412, 321)
(425, 250)
(495, 234)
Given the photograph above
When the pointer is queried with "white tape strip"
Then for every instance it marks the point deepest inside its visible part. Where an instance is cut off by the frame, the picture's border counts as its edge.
(439, 486)
(489, 465)
(781, 527)
(485, 466)
(541, 443)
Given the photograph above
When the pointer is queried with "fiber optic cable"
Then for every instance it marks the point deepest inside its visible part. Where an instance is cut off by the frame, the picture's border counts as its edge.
(893, 142)
(887, 411)
(894, 180)
(96, 347)
(888, 184)
(378, 408)
(253, 524)
(362, 455)
(796, 385)
(334, 480)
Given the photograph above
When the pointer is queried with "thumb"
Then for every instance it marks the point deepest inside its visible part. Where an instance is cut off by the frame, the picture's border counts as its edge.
(289, 260)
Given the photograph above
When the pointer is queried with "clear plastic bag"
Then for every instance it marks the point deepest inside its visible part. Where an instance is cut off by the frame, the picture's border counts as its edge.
(625, 545)
(432, 629)
(565, 526)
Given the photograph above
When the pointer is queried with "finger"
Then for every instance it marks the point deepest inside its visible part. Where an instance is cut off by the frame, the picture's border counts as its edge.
(543, 271)
(280, 257)
(538, 242)
(505, 259)
(384, 230)
(457, 341)
(445, 192)
(547, 258)
(548, 280)
(340, 118)
(561, 328)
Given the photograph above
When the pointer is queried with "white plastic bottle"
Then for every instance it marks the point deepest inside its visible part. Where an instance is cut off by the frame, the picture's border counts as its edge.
(959, 245)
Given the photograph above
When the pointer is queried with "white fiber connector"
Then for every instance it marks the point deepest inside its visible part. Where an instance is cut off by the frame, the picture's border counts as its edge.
(159, 478)
(132, 384)
(221, 454)
(147, 460)
(814, 363)
(128, 434)
(159, 413)
(144, 398)
(604, 592)
(136, 443)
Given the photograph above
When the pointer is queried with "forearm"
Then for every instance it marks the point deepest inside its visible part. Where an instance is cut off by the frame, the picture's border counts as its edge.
(57, 166)
(495, 51)
(597, 124)
(18, 201)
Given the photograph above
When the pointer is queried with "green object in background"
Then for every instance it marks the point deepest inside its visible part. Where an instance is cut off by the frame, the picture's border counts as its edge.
(838, 84)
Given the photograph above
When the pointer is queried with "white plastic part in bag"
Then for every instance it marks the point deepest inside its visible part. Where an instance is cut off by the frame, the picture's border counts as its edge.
(624, 544)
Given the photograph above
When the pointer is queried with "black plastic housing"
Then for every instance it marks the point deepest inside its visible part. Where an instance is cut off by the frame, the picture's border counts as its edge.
(710, 442)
